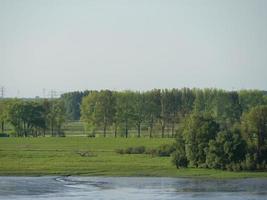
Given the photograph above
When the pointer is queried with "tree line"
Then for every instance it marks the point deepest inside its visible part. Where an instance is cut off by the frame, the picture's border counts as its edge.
(161, 110)
(33, 118)
(155, 111)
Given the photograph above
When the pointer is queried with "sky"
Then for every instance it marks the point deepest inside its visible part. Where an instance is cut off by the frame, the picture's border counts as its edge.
(67, 45)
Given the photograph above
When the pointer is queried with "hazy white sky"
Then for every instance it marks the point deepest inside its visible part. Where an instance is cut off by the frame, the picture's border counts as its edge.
(132, 44)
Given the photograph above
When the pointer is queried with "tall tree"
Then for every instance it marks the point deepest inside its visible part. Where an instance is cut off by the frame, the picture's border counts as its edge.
(89, 111)
(199, 129)
(105, 109)
(228, 147)
(139, 105)
(72, 102)
(3, 114)
(255, 129)
(124, 108)
(152, 110)
(251, 98)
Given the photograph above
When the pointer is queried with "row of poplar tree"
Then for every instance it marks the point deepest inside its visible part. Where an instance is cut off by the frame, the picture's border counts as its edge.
(161, 110)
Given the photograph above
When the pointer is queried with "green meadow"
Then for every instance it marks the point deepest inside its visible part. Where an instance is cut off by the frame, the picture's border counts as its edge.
(94, 157)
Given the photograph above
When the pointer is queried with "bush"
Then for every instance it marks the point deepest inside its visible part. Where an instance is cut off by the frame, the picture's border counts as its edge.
(120, 151)
(250, 162)
(162, 151)
(165, 150)
(4, 135)
(152, 152)
(179, 160)
(132, 150)
(236, 167)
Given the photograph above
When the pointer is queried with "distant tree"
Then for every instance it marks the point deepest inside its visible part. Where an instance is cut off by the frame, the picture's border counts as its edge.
(139, 105)
(251, 98)
(152, 110)
(187, 101)
(105, 111)
(89, 111)
(60, 116)
(125, 109)
(72, 102)
(164, 111)
(175, 109)
(3, 114)
(26, 117)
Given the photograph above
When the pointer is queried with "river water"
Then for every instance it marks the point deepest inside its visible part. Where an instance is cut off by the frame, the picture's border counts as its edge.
(128, 188)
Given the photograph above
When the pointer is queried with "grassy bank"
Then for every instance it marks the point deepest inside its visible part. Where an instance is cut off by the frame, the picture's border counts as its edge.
(94, 157)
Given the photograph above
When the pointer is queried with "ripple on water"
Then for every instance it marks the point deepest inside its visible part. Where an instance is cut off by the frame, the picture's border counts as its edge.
(58, 188)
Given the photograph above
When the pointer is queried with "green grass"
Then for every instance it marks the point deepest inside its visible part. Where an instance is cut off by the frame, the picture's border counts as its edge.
(59, 156)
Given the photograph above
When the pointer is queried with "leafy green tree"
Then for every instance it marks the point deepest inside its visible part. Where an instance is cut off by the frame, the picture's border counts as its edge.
(199, 129)
(89, 111)
(228, 147)
(72, 102)
(105, 111)
(26, 117)
(179, 158)
(3, 114)
(175, 109)
(251, 98)
(56, 117)
(152, 110)
(187, 101)
(125, 109)
(139, 105)
(164, 111)
(254, 125)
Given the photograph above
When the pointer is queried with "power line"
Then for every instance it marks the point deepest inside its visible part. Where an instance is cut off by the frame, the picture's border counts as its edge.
(2, 92)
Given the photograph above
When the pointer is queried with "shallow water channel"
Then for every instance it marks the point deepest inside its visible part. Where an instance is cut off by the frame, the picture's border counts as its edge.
(102, 188)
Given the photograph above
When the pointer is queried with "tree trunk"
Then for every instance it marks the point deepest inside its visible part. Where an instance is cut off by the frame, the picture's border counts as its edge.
(126, 129)
(151, 127)
(115, 130)
(151, 130)
(162, 129)
(139, 130)
(260, 142)
(52, 128)
(3, 126)
(172, 134)
(105, 129)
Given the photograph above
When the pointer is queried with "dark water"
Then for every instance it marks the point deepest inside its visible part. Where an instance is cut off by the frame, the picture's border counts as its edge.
(100, 188)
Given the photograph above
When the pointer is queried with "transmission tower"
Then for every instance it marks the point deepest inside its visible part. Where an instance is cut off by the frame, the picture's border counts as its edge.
(2, 92)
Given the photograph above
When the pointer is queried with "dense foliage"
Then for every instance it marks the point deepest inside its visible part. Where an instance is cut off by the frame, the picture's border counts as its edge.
(33, 118)
(214, 128)
(242, 147)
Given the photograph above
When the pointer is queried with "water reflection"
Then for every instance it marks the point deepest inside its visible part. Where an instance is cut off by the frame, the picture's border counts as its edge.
(58, 188)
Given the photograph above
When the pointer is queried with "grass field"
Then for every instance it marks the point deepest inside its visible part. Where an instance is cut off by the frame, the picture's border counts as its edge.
(61, 156)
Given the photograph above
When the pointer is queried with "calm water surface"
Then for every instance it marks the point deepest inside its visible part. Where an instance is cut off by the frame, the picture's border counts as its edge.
(109, 188)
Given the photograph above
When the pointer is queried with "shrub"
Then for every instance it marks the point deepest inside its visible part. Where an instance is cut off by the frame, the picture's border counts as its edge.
(132, 150)
(179, 159)
(120, 151)
(4, 135)
(165, 150)
(152, 152)
(250, 162)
